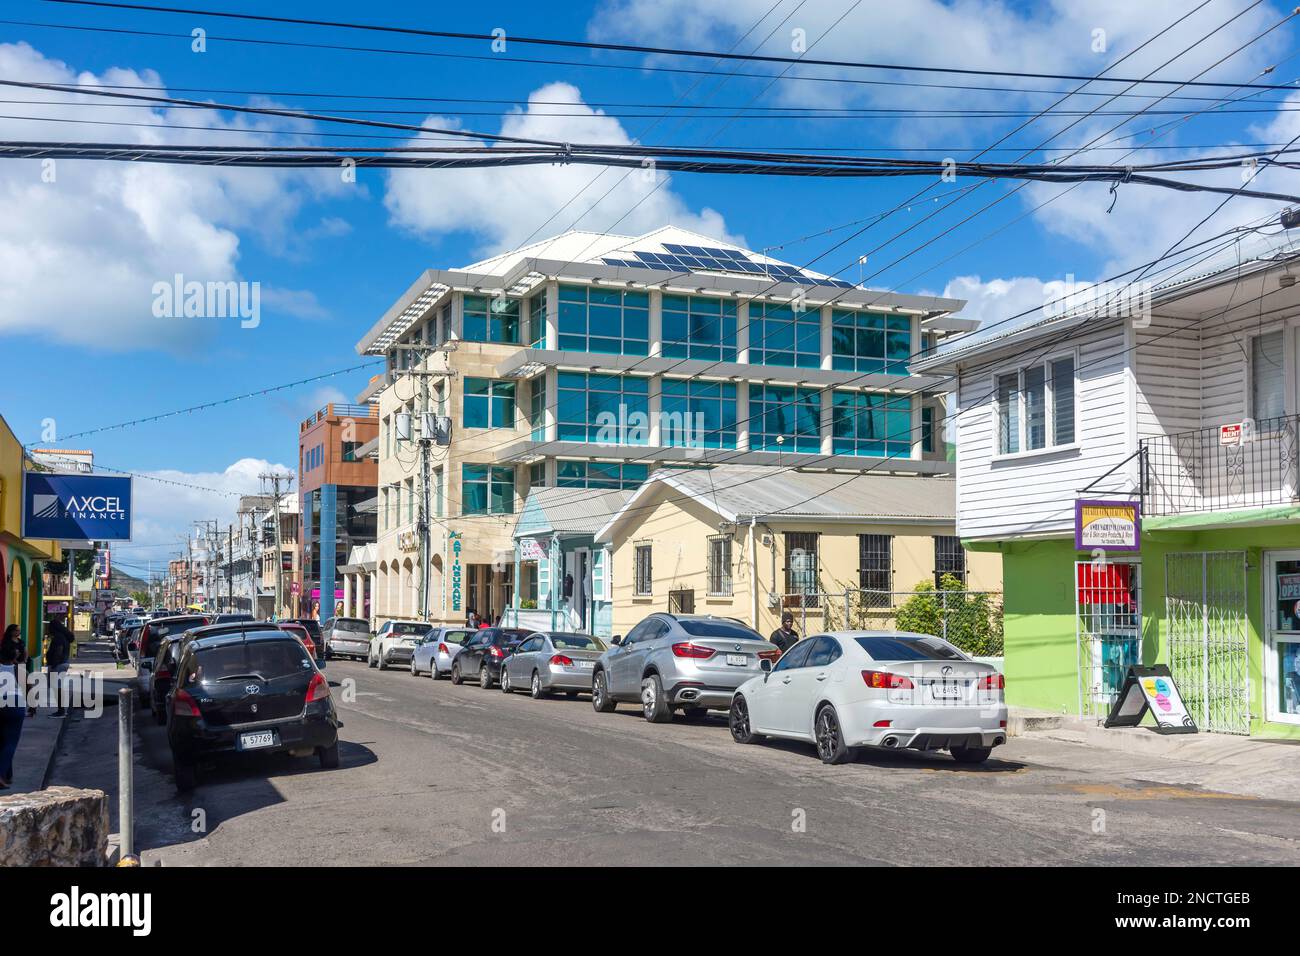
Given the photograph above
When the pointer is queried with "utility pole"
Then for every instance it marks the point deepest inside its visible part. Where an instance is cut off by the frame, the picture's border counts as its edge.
(230, 567)
(429, 436)
(275, 478)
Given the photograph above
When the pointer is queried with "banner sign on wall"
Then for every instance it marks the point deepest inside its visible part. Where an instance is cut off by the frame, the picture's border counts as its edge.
(530, 550)
(76, 507)
(1109, 525)
(1151, 689)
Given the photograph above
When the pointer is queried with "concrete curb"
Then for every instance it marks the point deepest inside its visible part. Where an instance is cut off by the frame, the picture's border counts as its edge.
(54, 750)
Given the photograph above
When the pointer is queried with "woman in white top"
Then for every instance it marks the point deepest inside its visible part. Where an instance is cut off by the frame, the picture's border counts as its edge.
(13, 699)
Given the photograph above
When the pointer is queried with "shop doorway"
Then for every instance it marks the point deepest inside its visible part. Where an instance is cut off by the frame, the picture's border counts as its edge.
(1205, 611)
(1108, 630)
(1282, 637)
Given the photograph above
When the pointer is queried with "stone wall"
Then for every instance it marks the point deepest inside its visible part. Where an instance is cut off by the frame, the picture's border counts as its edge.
(60, 826)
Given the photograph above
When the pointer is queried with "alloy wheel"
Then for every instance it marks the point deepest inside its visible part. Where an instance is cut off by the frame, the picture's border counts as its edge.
(828, 734)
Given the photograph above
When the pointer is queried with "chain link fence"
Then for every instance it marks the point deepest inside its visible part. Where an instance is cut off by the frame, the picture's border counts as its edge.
(971, 620)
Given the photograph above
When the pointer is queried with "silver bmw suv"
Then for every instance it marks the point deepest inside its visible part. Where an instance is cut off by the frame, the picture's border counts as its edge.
(678, 661)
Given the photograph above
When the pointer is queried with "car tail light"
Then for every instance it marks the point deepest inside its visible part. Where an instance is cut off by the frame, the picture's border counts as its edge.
(164, 672)
(183, 705)
(694, 651)
(992, 682)
(442, 649)
(559, 660)
(774, 655)
(496, 651)
(318, 689)
(887, 681)
(882, 723)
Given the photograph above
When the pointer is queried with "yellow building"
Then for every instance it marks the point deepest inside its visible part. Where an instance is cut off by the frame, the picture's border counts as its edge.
(21, 559)
(836, 550)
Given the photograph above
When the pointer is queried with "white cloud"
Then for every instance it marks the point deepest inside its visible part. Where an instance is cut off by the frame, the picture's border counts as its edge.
(502, 208)
(82, 243)
(165, 513)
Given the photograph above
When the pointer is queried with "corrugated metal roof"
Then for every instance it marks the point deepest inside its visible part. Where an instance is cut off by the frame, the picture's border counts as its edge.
(759, 490)
(578, 510)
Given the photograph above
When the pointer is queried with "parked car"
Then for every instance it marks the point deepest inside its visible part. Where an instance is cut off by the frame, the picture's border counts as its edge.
(144, 647)
(161, 674)
(300, 632)
(481, 656)
(892, 689)
(232, 618)
(245, 691)
(552, 661)
(124, 632)
(347, 637)
(669, 661)
(438, 649)
(313, 628)
(395, 643)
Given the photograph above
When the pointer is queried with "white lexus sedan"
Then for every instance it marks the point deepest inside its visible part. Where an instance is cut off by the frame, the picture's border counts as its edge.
(890, 689)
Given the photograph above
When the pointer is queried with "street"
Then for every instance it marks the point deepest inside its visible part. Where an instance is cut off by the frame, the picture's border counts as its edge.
(434, 774)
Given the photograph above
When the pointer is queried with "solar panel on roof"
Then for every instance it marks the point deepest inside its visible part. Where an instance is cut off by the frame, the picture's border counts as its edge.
(671, 247)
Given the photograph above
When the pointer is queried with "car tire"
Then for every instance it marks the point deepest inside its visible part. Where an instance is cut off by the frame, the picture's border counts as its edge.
(742, 732)
(601, 702)
(506, 686)
(484, 677)
(535, 690)
(328, 654)
(830, 737)
(370, 661)
(654, 704)
(186, 773)
(455, 675)
(414, 672)
(383, 664)
(329, 756)
(971, 754)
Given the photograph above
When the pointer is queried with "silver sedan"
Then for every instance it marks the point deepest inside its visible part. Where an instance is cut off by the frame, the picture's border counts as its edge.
(438, 649)
(552, 661)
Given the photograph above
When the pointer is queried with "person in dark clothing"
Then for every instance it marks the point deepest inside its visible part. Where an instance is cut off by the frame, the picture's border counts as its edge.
(13, 699)
(57, 655)
(785, 636)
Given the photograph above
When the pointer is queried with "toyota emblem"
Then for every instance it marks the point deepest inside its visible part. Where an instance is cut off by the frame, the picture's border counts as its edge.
(256, 689)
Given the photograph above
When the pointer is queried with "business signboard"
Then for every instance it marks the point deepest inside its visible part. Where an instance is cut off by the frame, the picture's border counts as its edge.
(76, 507)
(1151, 690)
(1109, 525)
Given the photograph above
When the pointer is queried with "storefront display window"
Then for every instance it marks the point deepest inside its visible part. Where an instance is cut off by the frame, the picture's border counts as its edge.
(1285, 692)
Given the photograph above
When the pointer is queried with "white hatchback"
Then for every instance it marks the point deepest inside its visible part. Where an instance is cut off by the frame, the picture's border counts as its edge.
(890, 689)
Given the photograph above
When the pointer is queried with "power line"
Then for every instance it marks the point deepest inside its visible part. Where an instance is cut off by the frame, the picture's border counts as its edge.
(646, 50)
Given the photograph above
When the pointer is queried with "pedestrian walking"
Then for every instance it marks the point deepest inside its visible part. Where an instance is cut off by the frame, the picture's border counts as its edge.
(471, 620)
(13, 699)
(785, 636)
(57, 656)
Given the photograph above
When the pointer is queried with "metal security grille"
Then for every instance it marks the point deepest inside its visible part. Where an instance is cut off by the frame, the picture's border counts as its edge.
(801, 569)
(1108, 630)
(949, 558)
(875, 566)
(1205, 605)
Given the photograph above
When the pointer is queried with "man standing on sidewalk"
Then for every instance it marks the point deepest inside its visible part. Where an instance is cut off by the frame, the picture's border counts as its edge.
(785, 636)
(57, 655)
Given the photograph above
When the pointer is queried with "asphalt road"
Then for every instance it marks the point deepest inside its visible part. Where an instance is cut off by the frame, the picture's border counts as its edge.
(436, 774)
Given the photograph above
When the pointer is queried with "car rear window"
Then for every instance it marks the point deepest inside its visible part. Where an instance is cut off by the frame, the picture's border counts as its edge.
(909, 649)
(263, 659)
(455, 637)
(728, 630)
(410, 628)
(352, 624)
(576, 642)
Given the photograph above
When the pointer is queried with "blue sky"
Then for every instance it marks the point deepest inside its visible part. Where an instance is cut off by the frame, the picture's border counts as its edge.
(78, 256)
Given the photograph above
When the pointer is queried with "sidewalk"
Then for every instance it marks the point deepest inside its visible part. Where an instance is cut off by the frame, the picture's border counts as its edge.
(1233, 764)
(42, 732)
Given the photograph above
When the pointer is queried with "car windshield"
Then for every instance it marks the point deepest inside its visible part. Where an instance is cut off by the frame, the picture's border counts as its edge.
(900, 648)
(351, 624)
(728, 630)
(264, 660)
(576, 642)
(406, 627)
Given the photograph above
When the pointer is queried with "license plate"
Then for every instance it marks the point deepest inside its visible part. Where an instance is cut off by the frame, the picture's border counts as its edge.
(739, 660)
(264, 738)
(586, 665)
(946, 691)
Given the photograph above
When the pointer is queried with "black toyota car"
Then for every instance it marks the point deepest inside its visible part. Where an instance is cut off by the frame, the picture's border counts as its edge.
(481, 655)
(245, 691)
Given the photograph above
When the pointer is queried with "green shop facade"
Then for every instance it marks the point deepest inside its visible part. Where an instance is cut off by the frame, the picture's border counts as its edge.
(1185, 410)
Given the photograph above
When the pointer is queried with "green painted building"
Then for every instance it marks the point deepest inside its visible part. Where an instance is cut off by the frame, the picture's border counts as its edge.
(1177, 399)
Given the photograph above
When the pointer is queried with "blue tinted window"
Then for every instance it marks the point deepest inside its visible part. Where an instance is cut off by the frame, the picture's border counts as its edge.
(698, 414)
(599, 474)
(864, 423)
(491, 319)
(699, 327)
(863, 341)
(487, 489)
(610, 409)
(778, 335)
(488, 403)
(595, 319)
(792, 414)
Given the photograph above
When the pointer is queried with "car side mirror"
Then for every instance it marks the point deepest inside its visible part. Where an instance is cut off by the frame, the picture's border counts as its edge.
(765, 666)
(616, 640)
